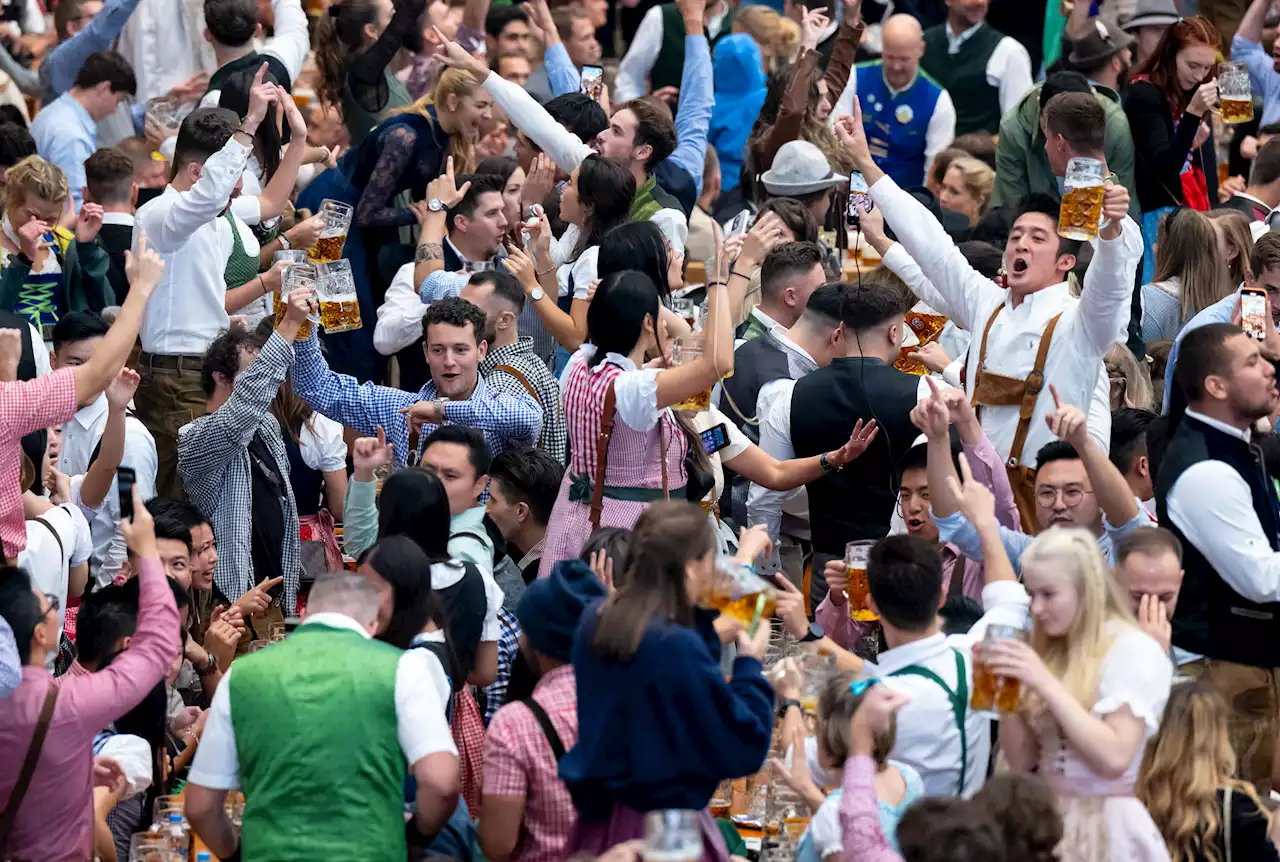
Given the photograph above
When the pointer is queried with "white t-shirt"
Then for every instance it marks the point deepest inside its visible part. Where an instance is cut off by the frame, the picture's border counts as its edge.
(46, 562)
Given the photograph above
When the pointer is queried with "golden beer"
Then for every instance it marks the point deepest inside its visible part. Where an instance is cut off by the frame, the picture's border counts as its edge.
(340, 316)
(1080, 213)
(985, 684)
(992, 692)
(698, 401)
(859, 592)
(1237, 110)
(281, 306)
(744, 607)
(327, 249)
(735, 590)
(1008, 694)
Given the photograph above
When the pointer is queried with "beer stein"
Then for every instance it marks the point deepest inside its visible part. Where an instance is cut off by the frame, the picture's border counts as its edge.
(337, 221)
(735, 590)
(336, 292)
(1234, 92)
(856, 555)
(296, 276)
(1082, 193)
(672, 836)
(991, 693)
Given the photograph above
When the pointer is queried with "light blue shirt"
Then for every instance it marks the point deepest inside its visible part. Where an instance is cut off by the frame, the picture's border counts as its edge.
(66, 135)
(1262, 75)
(562, 76)
(1219, 312)
(59, 69)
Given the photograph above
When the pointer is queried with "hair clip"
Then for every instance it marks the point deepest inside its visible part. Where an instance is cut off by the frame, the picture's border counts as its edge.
(859, 686)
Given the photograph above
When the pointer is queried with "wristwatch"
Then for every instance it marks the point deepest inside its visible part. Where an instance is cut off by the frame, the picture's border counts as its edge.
(536, 294)
(787, 703)
(825, 463)
(210, 665)
(284, 242)
(436, 205)
(815, 633)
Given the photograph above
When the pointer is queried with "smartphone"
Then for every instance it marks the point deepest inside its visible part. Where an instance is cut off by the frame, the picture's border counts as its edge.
(859, 198)
(125, 479)
(592, 81)
(1253, 312)
(715, 439)
(738, 226)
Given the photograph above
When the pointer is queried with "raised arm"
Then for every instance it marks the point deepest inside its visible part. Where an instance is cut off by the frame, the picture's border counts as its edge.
(846, 48)
(637, 63)
(510, 418)
(101, 475)
(403, 31)
(60, 66)
(291, 40)
(1112, 492)
(795, 103)
(697, 94)
(683, 381)
(758, 466)
(1108, 284)
(279, 188)
(1246, 45)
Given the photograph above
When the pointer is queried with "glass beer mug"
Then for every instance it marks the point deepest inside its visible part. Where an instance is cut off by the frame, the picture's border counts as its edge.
(686, 349)
(337, 221)
(991, 693)
(1082, 200)
(672, 836)
(296, 276)
(735, 590)
(336, 293)
(856, 555)
(1234, 92)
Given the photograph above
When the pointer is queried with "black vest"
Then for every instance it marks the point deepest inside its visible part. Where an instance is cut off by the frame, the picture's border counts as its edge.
(250, 62)
(964, 75)
(856, 502)
(465, 605)
(755, 363)
(308, 484)
(1212, 619)
(35, 442)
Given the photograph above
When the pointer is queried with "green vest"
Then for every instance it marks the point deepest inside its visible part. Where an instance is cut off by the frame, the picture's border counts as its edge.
(669, 66)
(643, 205)
(320, 762)
(964, 75)
(360, 122)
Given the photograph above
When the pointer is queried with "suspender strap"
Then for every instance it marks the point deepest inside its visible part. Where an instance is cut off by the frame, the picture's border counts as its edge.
(607, 411)
(982, 351)
(10, 815)
(959, 705)
(1035, 383)
(548, 729)
(956, 587)
(528, 387)
(62, 552)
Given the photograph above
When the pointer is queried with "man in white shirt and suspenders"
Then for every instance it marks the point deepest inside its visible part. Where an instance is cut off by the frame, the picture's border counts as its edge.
(1033, 331)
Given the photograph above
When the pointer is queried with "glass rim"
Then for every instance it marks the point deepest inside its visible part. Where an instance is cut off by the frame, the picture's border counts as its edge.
(1084, 163)
(1003, 631)
(335, 205)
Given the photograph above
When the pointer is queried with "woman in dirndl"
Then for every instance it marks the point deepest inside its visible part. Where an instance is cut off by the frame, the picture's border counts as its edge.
(1094, 686)
(610, 393)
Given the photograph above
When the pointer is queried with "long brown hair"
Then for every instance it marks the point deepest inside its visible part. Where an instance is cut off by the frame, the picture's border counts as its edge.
(339, 37)
(1187, 249)
(1161, 68)
(1235, 229)
(669, 535)
(1184, 767)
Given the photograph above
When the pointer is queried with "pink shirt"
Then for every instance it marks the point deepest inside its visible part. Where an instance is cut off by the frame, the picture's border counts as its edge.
(26, 406)
(987, 469)
(55, 821)
(864, 840)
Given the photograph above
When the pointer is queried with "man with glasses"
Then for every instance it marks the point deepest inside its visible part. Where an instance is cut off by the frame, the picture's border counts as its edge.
(1076, 485)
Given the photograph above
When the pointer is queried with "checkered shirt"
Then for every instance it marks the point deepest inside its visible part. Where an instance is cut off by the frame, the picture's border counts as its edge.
(27, 406)
(217, 472)
(520, 356)
(468, 735)
(518, 761)
(506, 420)
(508, 651)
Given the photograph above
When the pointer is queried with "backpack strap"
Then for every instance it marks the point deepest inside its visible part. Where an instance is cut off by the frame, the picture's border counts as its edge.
(548, 729)
(10, 815)
(959, 698)
(62, 552)
(607, 411)
(528, 387)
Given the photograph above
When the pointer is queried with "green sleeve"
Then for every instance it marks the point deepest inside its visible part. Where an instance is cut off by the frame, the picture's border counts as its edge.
(359, 517)
(92, 289)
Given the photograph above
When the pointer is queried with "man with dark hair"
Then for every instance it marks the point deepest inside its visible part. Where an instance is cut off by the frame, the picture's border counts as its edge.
(1129, 451)
(109, 183)
(183, 224)
(1149, 570)
(523, 485)
(457, 393)
(1027, 158)
(66, 131)
(75, 338)
(233, 461)
(231, 27)
(460, 459)
(1017, 345)
(16, 144)
(580, 114)
(789, 275)
(1262, 194)
(508, 31)
(1215, 496)
(1104, 55)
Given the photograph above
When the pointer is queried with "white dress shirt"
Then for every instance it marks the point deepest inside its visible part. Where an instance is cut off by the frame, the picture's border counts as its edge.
(941, 130)
(187, 310)
(1212, 505)
(422, 691)
(1008, 68)
(1088, 326)
(48, 561)
(80, 437)
(400, 315)
(928, 737)
(633, 71)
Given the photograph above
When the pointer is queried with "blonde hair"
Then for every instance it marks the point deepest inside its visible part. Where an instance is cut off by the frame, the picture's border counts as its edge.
(1138, 391)
(1235, 229)
(1184, 767)
(1187, 249)
(460, 84)
(1076, 657)
(777, 36)
(978, 178)
(33, 177)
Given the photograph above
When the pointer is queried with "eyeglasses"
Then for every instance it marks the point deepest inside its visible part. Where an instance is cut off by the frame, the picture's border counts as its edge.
(1047, 496)
(859, 686)
(54, 603)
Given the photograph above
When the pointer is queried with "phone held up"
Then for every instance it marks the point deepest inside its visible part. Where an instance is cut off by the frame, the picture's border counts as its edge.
(1253, 312)
(592, 81)
(125, 479)
(859, 199)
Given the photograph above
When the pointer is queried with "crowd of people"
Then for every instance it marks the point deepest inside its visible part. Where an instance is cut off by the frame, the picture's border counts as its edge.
(629, 430)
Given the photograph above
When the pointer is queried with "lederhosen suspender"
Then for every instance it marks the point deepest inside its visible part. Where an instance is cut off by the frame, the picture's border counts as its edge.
(607, 411)
(959, 698)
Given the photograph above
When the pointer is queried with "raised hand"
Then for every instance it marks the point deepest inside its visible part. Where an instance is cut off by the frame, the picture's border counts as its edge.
(518, 264)
(878, 705)
(189, 90)
(853, 137)
(140, 531)
(445, 186)
(837, 577)
(1115, 206)
(813, 22)
(454, 55)
(120, 391)
(976, 501)
(931, 415)
(791, 607)
(602, 567)
(31, 237)
(261, 97)
(88, 222)
(931, 355)
(370, 453)
(1067, 422)
(859, 440)
(540, 181)
(1204, 100)
(305, 233)
(765, 235)
(753, 543)
(220, 639)
(1153, 618)
(257, 600)
(301, 305)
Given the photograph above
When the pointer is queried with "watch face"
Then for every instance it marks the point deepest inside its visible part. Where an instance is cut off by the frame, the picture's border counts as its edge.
(435, 205)
(536, 294)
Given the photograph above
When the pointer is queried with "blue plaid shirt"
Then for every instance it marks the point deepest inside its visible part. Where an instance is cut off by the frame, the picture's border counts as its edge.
(508, 652)
(507, 421)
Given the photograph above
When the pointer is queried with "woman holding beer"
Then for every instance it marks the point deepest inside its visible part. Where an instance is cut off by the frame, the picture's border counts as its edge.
(1093, 688)
(659, 727)
(1169, 103)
